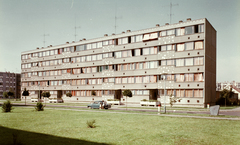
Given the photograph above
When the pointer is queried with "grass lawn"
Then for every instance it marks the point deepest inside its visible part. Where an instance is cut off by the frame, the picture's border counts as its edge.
(69, 127)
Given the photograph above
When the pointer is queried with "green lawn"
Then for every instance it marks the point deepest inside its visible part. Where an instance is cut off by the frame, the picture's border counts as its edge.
(69, 127)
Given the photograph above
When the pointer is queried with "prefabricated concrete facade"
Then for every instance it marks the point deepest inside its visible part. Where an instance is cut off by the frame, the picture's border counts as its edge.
(179, 58)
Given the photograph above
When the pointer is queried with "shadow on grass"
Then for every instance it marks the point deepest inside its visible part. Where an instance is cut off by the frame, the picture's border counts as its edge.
(10, 136)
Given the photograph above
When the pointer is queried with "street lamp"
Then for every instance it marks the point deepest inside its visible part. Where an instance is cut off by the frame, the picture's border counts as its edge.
(39, 92)
(164, 93)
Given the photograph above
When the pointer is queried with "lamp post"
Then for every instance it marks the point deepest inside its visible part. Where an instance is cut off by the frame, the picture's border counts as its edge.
(39, 93)
(164, 93)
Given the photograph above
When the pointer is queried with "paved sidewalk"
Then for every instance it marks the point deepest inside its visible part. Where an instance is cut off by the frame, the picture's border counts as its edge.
(168, 115)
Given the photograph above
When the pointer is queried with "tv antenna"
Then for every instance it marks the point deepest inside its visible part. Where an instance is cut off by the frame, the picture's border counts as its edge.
(44, 35)
(76, 29)
(170, 6)
(115, 26)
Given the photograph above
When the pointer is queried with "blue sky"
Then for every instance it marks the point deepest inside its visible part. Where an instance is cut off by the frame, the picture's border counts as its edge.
(24, 22)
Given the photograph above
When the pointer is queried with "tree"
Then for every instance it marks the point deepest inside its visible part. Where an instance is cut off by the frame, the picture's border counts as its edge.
(25, 94)
(69, 94)
(46, 95)
(173, 100)
(93, 93)
(5, 94)
(10, 92)
(127, 93)
(226, 94)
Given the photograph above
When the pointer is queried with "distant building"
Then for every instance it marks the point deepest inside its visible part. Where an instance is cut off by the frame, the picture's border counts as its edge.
(10, 80)
(227, 85)
(179, 58)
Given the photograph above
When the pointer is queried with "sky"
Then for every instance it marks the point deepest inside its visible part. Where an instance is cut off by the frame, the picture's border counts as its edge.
(23, 24)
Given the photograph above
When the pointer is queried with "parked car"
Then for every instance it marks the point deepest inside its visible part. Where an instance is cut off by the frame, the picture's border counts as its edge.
(98, 105)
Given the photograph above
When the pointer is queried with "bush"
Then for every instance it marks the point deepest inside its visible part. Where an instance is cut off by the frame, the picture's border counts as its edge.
(144, 100)
(68, 94)
(39, 106)
(127, 93)
(91, 124)
(7, 106)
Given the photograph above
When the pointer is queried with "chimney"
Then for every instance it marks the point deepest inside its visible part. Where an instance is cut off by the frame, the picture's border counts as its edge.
(123, 32)
(113, 34)
(128, 30)
(180, 21)
(42, 47)
(50, 45)
(73, 41)
(80, 40)
(166, 23)
(84, 39)
(105, 34)
(37, 47)
(157, 25)
(188, 19)
(67, 42)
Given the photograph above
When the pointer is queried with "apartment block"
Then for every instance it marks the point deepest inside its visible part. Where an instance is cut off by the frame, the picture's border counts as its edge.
(10, 80)
(178, 58)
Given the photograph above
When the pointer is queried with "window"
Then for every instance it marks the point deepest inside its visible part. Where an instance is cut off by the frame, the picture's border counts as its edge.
(179, 77)
(200, 28)
(189, 30)
(180, 31)
(180, 47)
(124, 80)
(179, 62)
(198, 45)
(179, 93)
(118, 80)
(118, 54)
(133, 39)
(94, 45)
(163, 33)
(198, 93)
(170, 77)
(153, 79)
(130, 79)
(198, 77)
(198, 61)
(170, 62)
(137, 52)
(99, 44)
(138, 38)
(188, 61)
(170, 32)
(138, 79)
(145, 51)
(188, 77)
(188, 93)
(189, 46)
(153, 50)
(153, 64)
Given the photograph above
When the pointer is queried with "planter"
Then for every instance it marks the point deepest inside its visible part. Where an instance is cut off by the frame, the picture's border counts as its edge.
(147, 103)
(114, 102)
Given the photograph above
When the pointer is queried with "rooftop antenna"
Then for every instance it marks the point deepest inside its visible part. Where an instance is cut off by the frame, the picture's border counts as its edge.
(44, 35)
(115, 26)
(171, 5)
(76, 29)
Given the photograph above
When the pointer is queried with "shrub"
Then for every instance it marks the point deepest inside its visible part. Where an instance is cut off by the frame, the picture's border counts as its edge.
(69, 94)
(153, 100)
(93, 93)
(39, 106)
(7, 106)
(91, 124)
(127, 93)
(144, 100)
